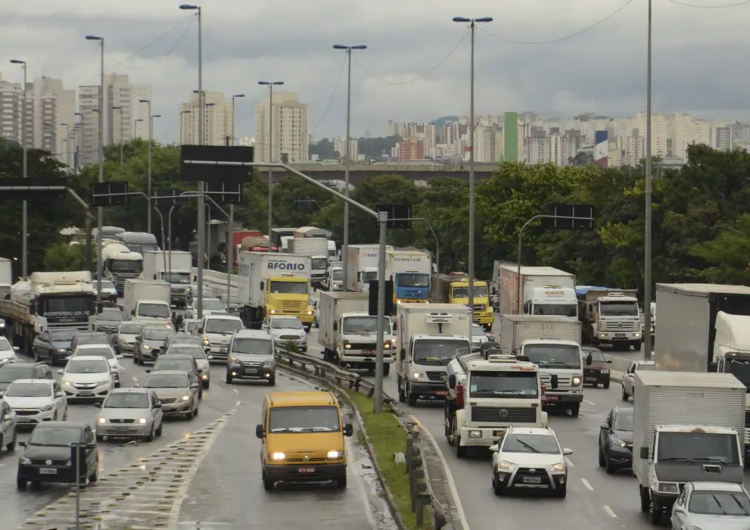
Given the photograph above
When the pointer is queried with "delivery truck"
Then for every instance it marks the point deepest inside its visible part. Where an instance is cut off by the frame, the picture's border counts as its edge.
(609, 316)
(147, 301)
(317, 249)
(348, 334)
(544, 291)
(362, 266)
(454, 289)
(686, 428)
(274, 284)
(410, 271)
(120, 263)
(179, 277)
(6, 277)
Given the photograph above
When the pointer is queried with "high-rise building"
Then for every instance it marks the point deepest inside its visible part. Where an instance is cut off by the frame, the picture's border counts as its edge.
(290, 136)
(217, 120)
(339, 145)
(11, 103)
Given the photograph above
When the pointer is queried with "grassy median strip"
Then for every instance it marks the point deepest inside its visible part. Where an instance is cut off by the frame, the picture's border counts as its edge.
(387, 437)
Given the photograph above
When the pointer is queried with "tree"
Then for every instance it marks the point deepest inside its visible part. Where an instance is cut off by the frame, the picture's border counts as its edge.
(63, 257)
(296, 201)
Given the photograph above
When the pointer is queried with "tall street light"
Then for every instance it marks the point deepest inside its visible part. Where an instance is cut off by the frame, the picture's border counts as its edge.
(122, 140)
(233, 114)
(345, 246)
(100, 221)
(230, 232)
(25, 173)
(270, 85)
(201, 141)
(472, 131)
(647, 275)
(150, 136)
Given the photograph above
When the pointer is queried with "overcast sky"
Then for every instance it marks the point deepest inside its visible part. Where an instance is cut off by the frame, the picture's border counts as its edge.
(700, 55)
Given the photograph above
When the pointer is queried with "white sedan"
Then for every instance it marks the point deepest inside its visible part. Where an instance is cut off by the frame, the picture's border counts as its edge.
(87, 378)
(628, 378)
(7, 351)
(712, 505)
(36, 400)
(101, 350)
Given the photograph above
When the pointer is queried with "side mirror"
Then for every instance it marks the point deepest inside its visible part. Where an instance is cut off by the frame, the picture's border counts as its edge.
(553, 381)
(644, 453)
(260, 431)
(195, 278)
(589, 359)
(262, 285)
(609, 361)
(525, 358)
(712, 367)
(98, 405)
(148, 371)
(22, 444)
(154, 276)
(567, 451)
(200, 330)
(60, 372)
(604, 426)
(348, 429)
(8, 417)
(133, 312)
(495, 448)
(157, 406)
(452, 381)
(174, 314)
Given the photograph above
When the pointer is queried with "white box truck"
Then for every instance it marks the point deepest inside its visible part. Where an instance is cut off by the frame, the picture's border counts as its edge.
(179, 276)
(553, 343)
(686, 428)
(147, 301)
(429, 335)
(274, 284)
(544, 291)
(363, 266)
(348, 334)
(317, 249)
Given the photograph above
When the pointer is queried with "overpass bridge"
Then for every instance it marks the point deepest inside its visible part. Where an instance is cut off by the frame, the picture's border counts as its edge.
(360, 172)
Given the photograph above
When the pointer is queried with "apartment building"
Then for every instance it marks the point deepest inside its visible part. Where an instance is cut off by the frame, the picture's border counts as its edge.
(217, 119)
(290, 134)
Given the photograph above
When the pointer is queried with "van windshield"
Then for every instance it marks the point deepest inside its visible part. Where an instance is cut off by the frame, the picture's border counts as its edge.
(516, 384)
(279, 287)
(437, 352)
(303, 419)
(698, 448)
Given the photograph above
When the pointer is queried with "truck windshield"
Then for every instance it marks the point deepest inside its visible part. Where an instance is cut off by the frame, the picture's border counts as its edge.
(319, 263)
(437, 351)
(279, 287)
(153, 310)
(618, 309)
(180, 278)
(463, 292)
(413, 279)
(516, 384)
(253, 346)
(72, 306)
(554, 355)
(739, 369)
(562, 310)
(121, 265)
(370, 276)
(698, 447)
(363, 324)
(337, 275)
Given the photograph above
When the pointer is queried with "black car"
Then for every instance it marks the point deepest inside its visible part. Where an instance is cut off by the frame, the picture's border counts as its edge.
(10, 372)
(89, 337)
(184, 363)
(616, 440)
(49, 457)
(108, 320)
(53, 345)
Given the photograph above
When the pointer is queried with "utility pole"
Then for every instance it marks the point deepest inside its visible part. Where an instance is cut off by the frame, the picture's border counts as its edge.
(122, 141)
(647, 272)
(25, 174)
(148, 163)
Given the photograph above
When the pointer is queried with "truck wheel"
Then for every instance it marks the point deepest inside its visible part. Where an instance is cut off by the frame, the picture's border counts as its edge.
(575, 408)
(656, 513)
(386, 370)
(636, 345)
(645, 499)
(460, 450)
(412, 397)
(401, 392)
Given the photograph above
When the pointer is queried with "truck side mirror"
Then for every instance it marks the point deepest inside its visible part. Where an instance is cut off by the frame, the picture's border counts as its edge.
(133, 312)
(553, 381)
(195, 278)
(32, 308)
(260, 432)
(525, 358)
(589, 359)
(335, 326)
(200, 330)
(644, 453)
(452, 381)
(262, 285)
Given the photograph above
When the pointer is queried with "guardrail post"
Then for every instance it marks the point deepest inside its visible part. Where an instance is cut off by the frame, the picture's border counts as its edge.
(423, 500)
(409, 445)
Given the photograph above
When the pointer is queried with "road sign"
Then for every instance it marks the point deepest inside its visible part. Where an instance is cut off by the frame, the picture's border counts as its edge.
(570, 217)
(224, 192)
(106, 194)
(32, 188)
(373, 301)
(219, 163)
(399, 215)
(165, 197)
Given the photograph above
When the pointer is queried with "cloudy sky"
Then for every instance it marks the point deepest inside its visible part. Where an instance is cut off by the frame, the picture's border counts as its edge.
(416, 66)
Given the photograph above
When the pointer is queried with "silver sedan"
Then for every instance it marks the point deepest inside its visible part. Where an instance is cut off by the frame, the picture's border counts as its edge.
(131, 413)
(197, 353)
(712, 505)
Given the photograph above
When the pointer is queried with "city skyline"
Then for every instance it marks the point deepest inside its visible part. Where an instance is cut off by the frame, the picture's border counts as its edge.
(602, 69)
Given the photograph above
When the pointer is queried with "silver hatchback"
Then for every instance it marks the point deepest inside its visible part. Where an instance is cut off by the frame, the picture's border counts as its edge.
(131, 413)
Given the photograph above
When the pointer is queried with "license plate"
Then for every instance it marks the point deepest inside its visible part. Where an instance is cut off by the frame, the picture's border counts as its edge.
(368, 352)
(441, 393)
(86, 394)
(589, 378)
(551, 398)
(22, 420)
(532, 480)
(251, 370)
(48, 471)
(305, 470)
(620, 335)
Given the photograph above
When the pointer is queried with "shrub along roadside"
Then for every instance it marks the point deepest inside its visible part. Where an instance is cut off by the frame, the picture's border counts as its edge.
(387, 436)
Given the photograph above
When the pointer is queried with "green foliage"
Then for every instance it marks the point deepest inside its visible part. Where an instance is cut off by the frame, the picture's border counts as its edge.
(62, 257)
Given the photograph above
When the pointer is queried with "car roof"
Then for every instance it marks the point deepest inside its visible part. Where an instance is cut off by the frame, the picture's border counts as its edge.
(177, 356)
(87, 358)
(589, 348)
(623, 410)
(130, 390)
(92, 346)
(252, 334)
(189, 339)
(191, 320)
(91, 334)
(222, 316)
(61, 425)
(168, 372)
(301, 399)
(22, 365)
(48, 381)
(538, 431)
(110, 309)
(716, 486)
(280, 317)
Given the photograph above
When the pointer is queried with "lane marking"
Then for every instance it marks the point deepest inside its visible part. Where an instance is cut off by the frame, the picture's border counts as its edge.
(569, 462)
(609, 511)
(589, 402)
(235, 391)
(135, 378)
(586, 483)
(237, 404)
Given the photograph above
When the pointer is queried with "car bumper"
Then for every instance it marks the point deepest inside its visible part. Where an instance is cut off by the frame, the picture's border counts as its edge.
(150, 355)
(59, 356)
(433, 390)
(607, 336)
(178, 407)
(217, 353)
(311, 473)
(595, 378)
(125, 349)
(123, 429)
(619, 457)
(252, 373)
(485, 318)
(563, 398)
(31, 421)
(513, 480)
(369, 358)
(89, 394)
(34, 473)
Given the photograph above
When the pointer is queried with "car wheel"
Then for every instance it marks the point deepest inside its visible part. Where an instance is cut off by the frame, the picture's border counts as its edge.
(207, 385)
(272, 380)
(190, 415)
(268, 484)
(20, 483)
(601, 459)
(608, 466)
(158, 431)
(606, 385)
(229, 378)
(341, 483)
(195, 412)
(562, 490)
(624, 394)
(150, 436)
(99, 438)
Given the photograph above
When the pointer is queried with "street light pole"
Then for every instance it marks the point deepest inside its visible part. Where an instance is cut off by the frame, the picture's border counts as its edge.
(472, 132)
(647, 275)
(25, 174)
(233, 114)
(230, 232)
(183, 112)
(148, 163)
(270, 85)
(347, 151)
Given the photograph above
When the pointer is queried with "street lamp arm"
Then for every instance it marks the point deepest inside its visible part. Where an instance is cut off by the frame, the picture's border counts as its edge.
(205, 196)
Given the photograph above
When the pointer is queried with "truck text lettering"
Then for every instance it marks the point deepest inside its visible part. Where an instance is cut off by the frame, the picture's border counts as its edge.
(284, 266)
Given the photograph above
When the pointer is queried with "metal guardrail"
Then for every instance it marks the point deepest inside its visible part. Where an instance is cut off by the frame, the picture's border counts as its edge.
(327, 371)
(420, 488)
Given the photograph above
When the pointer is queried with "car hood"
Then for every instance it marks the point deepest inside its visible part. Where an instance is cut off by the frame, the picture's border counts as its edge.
(719, 522)
(531, 459)
(171, 392)
(124, 414)
(203, 365)
(625, 436)
(85, 378)
(28, 402)
(153, 343)
(218, 338)
(319, 442)
(43, 452)
(7, 354)
(61, 345)
(252, 357)
(299, 333)
(127, 338)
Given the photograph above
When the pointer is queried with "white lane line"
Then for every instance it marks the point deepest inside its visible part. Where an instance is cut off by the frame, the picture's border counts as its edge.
(135, 378)
(609, 511)
(235, 391)
(568, 462)
(237, 404)
(589, 402)
(586, 483)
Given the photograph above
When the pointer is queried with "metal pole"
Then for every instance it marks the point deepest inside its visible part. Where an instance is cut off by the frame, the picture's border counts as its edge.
(122, 143)
(233, 99)
(202, 141)
(77, 448)
(230, 252)
(208, 235)
(161, 218)
(472, 130)
(100, 221)
(647, 275)
(345, 246)
(270, 159)
(150, 142)
(25, 222)
(378, 397)
(171, 209)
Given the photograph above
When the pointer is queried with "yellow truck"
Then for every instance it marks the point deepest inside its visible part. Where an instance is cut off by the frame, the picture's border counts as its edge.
(454, 289)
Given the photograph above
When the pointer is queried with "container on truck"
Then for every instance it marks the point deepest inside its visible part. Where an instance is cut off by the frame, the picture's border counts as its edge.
(363, 265)
(410, 271)
(544, 291)
(311, 231)
(179, 275)
(454, 289)
(609, 316)
(686, 428)
(6, 277)
(485, 397)
(147, 301)
(317, 249)
(277, 234)
(554, 344)
(121, 263)
(274, 284)
(348, 334)
(429, 336)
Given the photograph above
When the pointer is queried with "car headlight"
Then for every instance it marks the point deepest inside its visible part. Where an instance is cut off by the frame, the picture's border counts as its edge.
(576, 381)
(667, 487)
(506, 466)
(475, 434)
(102, 420)
(25, 461)
(616, 442)
(206, 342)
(333, 455)
(347, 346)
(637, 334)
(142, 421)
(59, 350)
(277, 456)
(387, 346)
(47, 408)
(417, 376)
(146, 347)
(557, 468)
(204, 376)
(185, 398)
(66, 383)
(234, 360)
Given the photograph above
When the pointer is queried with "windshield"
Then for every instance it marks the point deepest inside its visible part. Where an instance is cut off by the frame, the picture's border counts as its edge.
(165, 363)
(196, 352)
(127, 400)
(154, 310)
(67, 307)
(437, 352)
(596, 355)
(108, 285)
(107, 353)
(618, 309)
(624, 422)
(62, 335)
(413, 279)
(561, 310)
(531, 443)
(4, 344)
(249, 346)
(87, 366)
(166, 381)
(130, 329)
(698, 447)
(55, 436)
(719, 503)
(304, 419)
(516, 384)
(8, 374)
(363, 324)
(124, 266)
(319, 263)
(111, 316)
(368, 277)
(740, 369)
(553, 355)
(288, 288)
(31, 390)
(213, 305)
(157, 333)
(179, 278)
(463, 292)
(222, 326)
(286, 323)
(337, 275)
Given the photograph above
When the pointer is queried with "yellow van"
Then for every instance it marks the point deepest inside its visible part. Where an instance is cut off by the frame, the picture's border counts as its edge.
(302, 438)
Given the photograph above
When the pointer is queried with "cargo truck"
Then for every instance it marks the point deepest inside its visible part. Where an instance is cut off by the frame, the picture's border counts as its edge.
(121, 263)
(179, 277)
(429, 336)
(147, 302)
(48, 300)
(317, 249)
(454, 289)
(363, 265)
(544, 291)
(348, 334)
(410, 271)
(274, 284)
(553, 344)
(686, 428)
(609, 316)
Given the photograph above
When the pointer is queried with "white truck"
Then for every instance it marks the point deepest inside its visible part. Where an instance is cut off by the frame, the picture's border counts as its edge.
(147, 301)
(121, 263)
(410, 271)
(609, 316)
(686, 428)
(544, 291)
(429, 336)
(274, 284)
(348, 334)
(485, 397)
(179, 277)
(553, 343)
(362, 266)
(317, 249)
